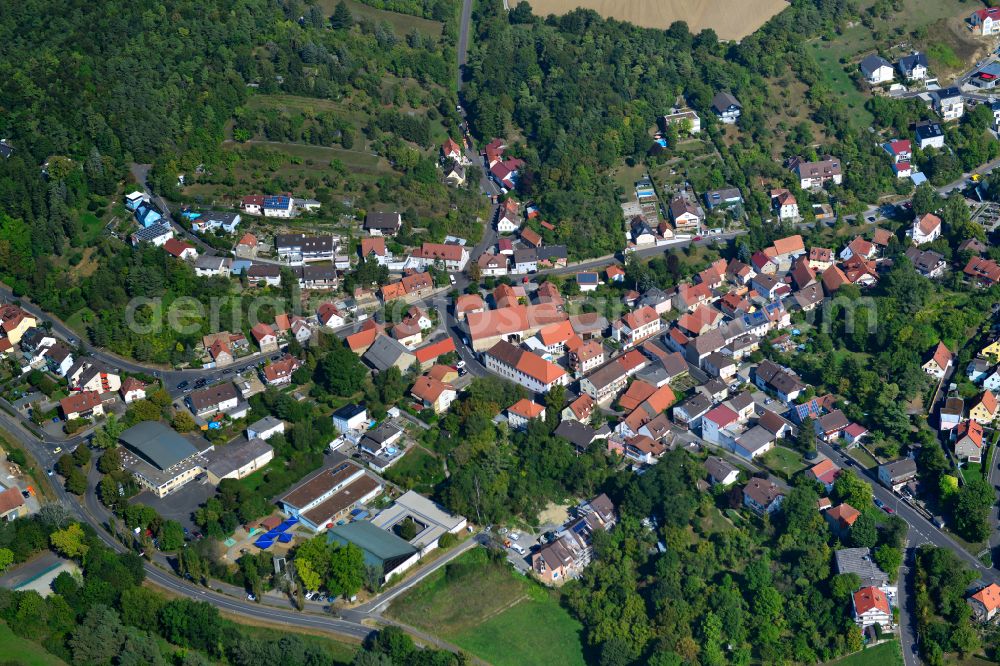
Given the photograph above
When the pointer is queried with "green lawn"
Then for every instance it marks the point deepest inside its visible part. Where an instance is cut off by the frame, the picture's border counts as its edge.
(784, 461)
(418, 470)
(14, 649)
(862, 457)
(885, 654)
(487, 609)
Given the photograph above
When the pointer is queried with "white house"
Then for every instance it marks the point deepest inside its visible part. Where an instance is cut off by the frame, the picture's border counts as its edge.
(926, 229)
(265, 428)
(871, 607)
(986, 21)
(929, 135)
(784, 203)
(876, 69)
(949, 103)
(726, 107)
(913, 67)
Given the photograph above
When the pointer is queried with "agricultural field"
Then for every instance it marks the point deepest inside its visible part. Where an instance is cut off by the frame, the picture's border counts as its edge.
(480, 605)
(729, 20)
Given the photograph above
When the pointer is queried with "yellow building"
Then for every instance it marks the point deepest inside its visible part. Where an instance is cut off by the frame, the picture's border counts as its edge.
(992, 351)
(14, 322)
(985, 410)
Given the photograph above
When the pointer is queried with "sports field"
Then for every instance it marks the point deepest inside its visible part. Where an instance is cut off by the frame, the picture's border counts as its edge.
(730, 20)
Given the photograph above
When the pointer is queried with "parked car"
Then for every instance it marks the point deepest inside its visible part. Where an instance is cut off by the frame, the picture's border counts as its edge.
(183, 385)
(519, 549)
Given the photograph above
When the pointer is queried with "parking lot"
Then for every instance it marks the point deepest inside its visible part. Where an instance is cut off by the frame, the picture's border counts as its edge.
(181, 504)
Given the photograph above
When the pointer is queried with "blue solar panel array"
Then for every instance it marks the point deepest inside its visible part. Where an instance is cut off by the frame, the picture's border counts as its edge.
(276, 202)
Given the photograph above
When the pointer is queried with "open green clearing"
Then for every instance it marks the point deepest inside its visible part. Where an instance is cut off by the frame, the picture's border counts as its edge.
(483, 607)
(784, 462)
(418, 470)
(945, 44)
(884, 654)
(14, 649)
(401, 24)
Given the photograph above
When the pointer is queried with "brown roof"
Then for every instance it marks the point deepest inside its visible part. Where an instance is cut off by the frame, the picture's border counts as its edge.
(834, 279)
(374, 244)
(640, 317)
(762, 491)
(318, 485)
(80, 402)
(531, 236)
(428, 389)
(882, 237)
(526, 408)
(928, 222)
(441, 251)
(789, 245)
(468, 302)
(342, 499)
(820, 254)
(10, 499)
(213, 395)
(843, 514)
(942, 356)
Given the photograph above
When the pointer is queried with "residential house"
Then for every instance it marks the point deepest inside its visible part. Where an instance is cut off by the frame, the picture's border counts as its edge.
(684, 214)
(279, 373)
(871, 607)
(727, 197)
(830, 426)
(814, 175)
(81, 405)
(525, 261)
(642, 234)
(901, 153)
(876, 69)
(132, 389)
(328, 315)
(300, 248)
(928, 263)
(913, 67)
(14, 323)
(212, 266)
(578, 410)
(939, 363)
(726, 107)
(691, 412)
(349, 418)
(820, 258)
(926, 229)
(383, 224)
(523, 411)
(929, 135)
(588, 281)
(841, 518)
(949, 103)
(721, 472)
(784, 204)
(825, 471)
(984, 411)
(986, 602)
(636, 326)
(429, 354)
(717, 419)
(986, 21)
(215, 399)
(452, 257)
(180, 249)
(770, 376)
(386, 352)
(951, 413)
(12, 504)
(265, 428)
(264, 275)
(685, 118)
(246, 247)
(433, 394)
(59, 358)
(265, 336)
(969, 441)
(157, 234)
(524, 368)
(762, 496)
(983, 272)
(897, 473)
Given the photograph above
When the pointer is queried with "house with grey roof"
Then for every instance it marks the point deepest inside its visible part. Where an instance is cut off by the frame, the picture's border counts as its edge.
(386, 352)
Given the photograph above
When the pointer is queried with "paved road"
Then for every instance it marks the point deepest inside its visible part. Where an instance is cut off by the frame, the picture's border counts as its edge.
(463, 43)
(141, 172)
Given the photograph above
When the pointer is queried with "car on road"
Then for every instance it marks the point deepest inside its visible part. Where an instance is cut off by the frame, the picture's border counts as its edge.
(183, 385)
(251, 597)
(227, 371)
(49, 472)
(202, 382)
(871, 218)
(460, 364)
(276, 357)
(58, 449)
(451, 278)
(879, 503)
(696, 239)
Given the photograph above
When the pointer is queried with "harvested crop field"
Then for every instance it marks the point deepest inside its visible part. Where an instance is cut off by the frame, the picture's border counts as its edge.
(730, 20)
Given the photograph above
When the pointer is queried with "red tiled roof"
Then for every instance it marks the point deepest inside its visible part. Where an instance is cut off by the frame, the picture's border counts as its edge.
(526, 408)
(870, 598)
(434, 350)
(80, 402)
